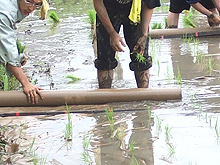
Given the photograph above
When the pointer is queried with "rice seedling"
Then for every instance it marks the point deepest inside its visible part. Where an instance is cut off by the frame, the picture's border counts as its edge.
(38, 161)
(32, 145)
(85, 154)
(199, 111)
(21, 129)
(169, 74)
(3, 128)
(196, 41)
(92, 17)
(86, 142)
(149, 113)
(190, 39)
(185, 37)
(217, 128)
(187, 20)
(210, 121)
(158, 122)
(178, 77)
(109, 113)
(131, 146)
(119, 133)
(166, 24)
(73, 78)
(156, 26)
(53, 27)
(42, 161)
(158, 67)
(200, 58)
(87, 158)
(13, 83)
(196, 45)
(21, 48)
(5, 81)
(10, 83)
(69, 126)
(210, 66)
(139, 58)
(168, 133)
(54, 17)
(171, 151)
(192, 94)
(35, 159)
(2, 144)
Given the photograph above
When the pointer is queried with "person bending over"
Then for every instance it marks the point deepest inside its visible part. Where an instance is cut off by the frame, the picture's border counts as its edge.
(11, 13)
(135, 16)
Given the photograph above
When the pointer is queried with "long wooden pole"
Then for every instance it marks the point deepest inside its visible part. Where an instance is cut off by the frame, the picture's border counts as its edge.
(89, 97)
(180, 32)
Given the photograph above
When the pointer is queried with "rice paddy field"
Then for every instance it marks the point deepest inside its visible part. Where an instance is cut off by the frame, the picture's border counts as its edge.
(179, 132)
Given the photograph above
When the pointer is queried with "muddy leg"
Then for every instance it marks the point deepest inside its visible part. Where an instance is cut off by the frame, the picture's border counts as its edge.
(142, 78)
(105, 78)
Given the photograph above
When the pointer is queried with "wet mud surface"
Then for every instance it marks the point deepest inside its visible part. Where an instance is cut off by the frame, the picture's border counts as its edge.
(176, 132)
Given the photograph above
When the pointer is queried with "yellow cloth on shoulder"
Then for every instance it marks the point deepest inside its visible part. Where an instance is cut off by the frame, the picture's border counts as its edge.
(44, 9)
(135, 13)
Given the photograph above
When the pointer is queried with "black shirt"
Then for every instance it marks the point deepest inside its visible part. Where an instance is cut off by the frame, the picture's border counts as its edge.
(123, 4)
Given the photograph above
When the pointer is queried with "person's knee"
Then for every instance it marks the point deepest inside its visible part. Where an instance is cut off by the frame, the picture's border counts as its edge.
(136, 65)
(105, 65)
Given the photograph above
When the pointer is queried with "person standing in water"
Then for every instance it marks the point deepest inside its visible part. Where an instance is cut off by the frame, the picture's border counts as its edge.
(135, 16)
(11, 13)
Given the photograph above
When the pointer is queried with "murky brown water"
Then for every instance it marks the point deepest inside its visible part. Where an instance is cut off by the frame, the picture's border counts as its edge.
(179, 132)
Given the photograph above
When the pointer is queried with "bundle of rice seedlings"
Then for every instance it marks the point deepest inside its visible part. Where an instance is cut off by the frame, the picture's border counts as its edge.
(20, 47)
(188, 21)
(92, 17)
(53, 15)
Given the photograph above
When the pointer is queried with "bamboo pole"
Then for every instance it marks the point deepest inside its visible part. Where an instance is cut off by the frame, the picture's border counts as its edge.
(89, 97)
(180, 32)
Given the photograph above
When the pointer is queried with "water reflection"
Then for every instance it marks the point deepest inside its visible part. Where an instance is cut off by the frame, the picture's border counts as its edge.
(137, 129)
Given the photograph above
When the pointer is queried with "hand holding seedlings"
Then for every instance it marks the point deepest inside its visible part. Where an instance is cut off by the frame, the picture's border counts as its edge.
(24, 60)
(139, 57)
(140, 45)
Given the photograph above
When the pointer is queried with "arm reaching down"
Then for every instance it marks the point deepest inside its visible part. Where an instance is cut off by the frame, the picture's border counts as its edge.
(30, 90)
(115, 39)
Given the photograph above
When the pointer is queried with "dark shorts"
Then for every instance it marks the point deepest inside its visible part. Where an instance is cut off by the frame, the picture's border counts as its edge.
(105, 54)
(177, 6)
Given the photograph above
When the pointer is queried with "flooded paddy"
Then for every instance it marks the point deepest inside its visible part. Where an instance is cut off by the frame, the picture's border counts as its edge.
(149, 132)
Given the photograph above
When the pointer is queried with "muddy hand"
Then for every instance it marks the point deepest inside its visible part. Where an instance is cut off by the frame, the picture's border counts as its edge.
(140, 45)
(32, 93)
(215, 21)
(24, 60)
(116, 42)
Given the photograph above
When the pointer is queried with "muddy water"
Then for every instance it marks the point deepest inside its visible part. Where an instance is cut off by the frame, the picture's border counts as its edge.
(179, 132)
